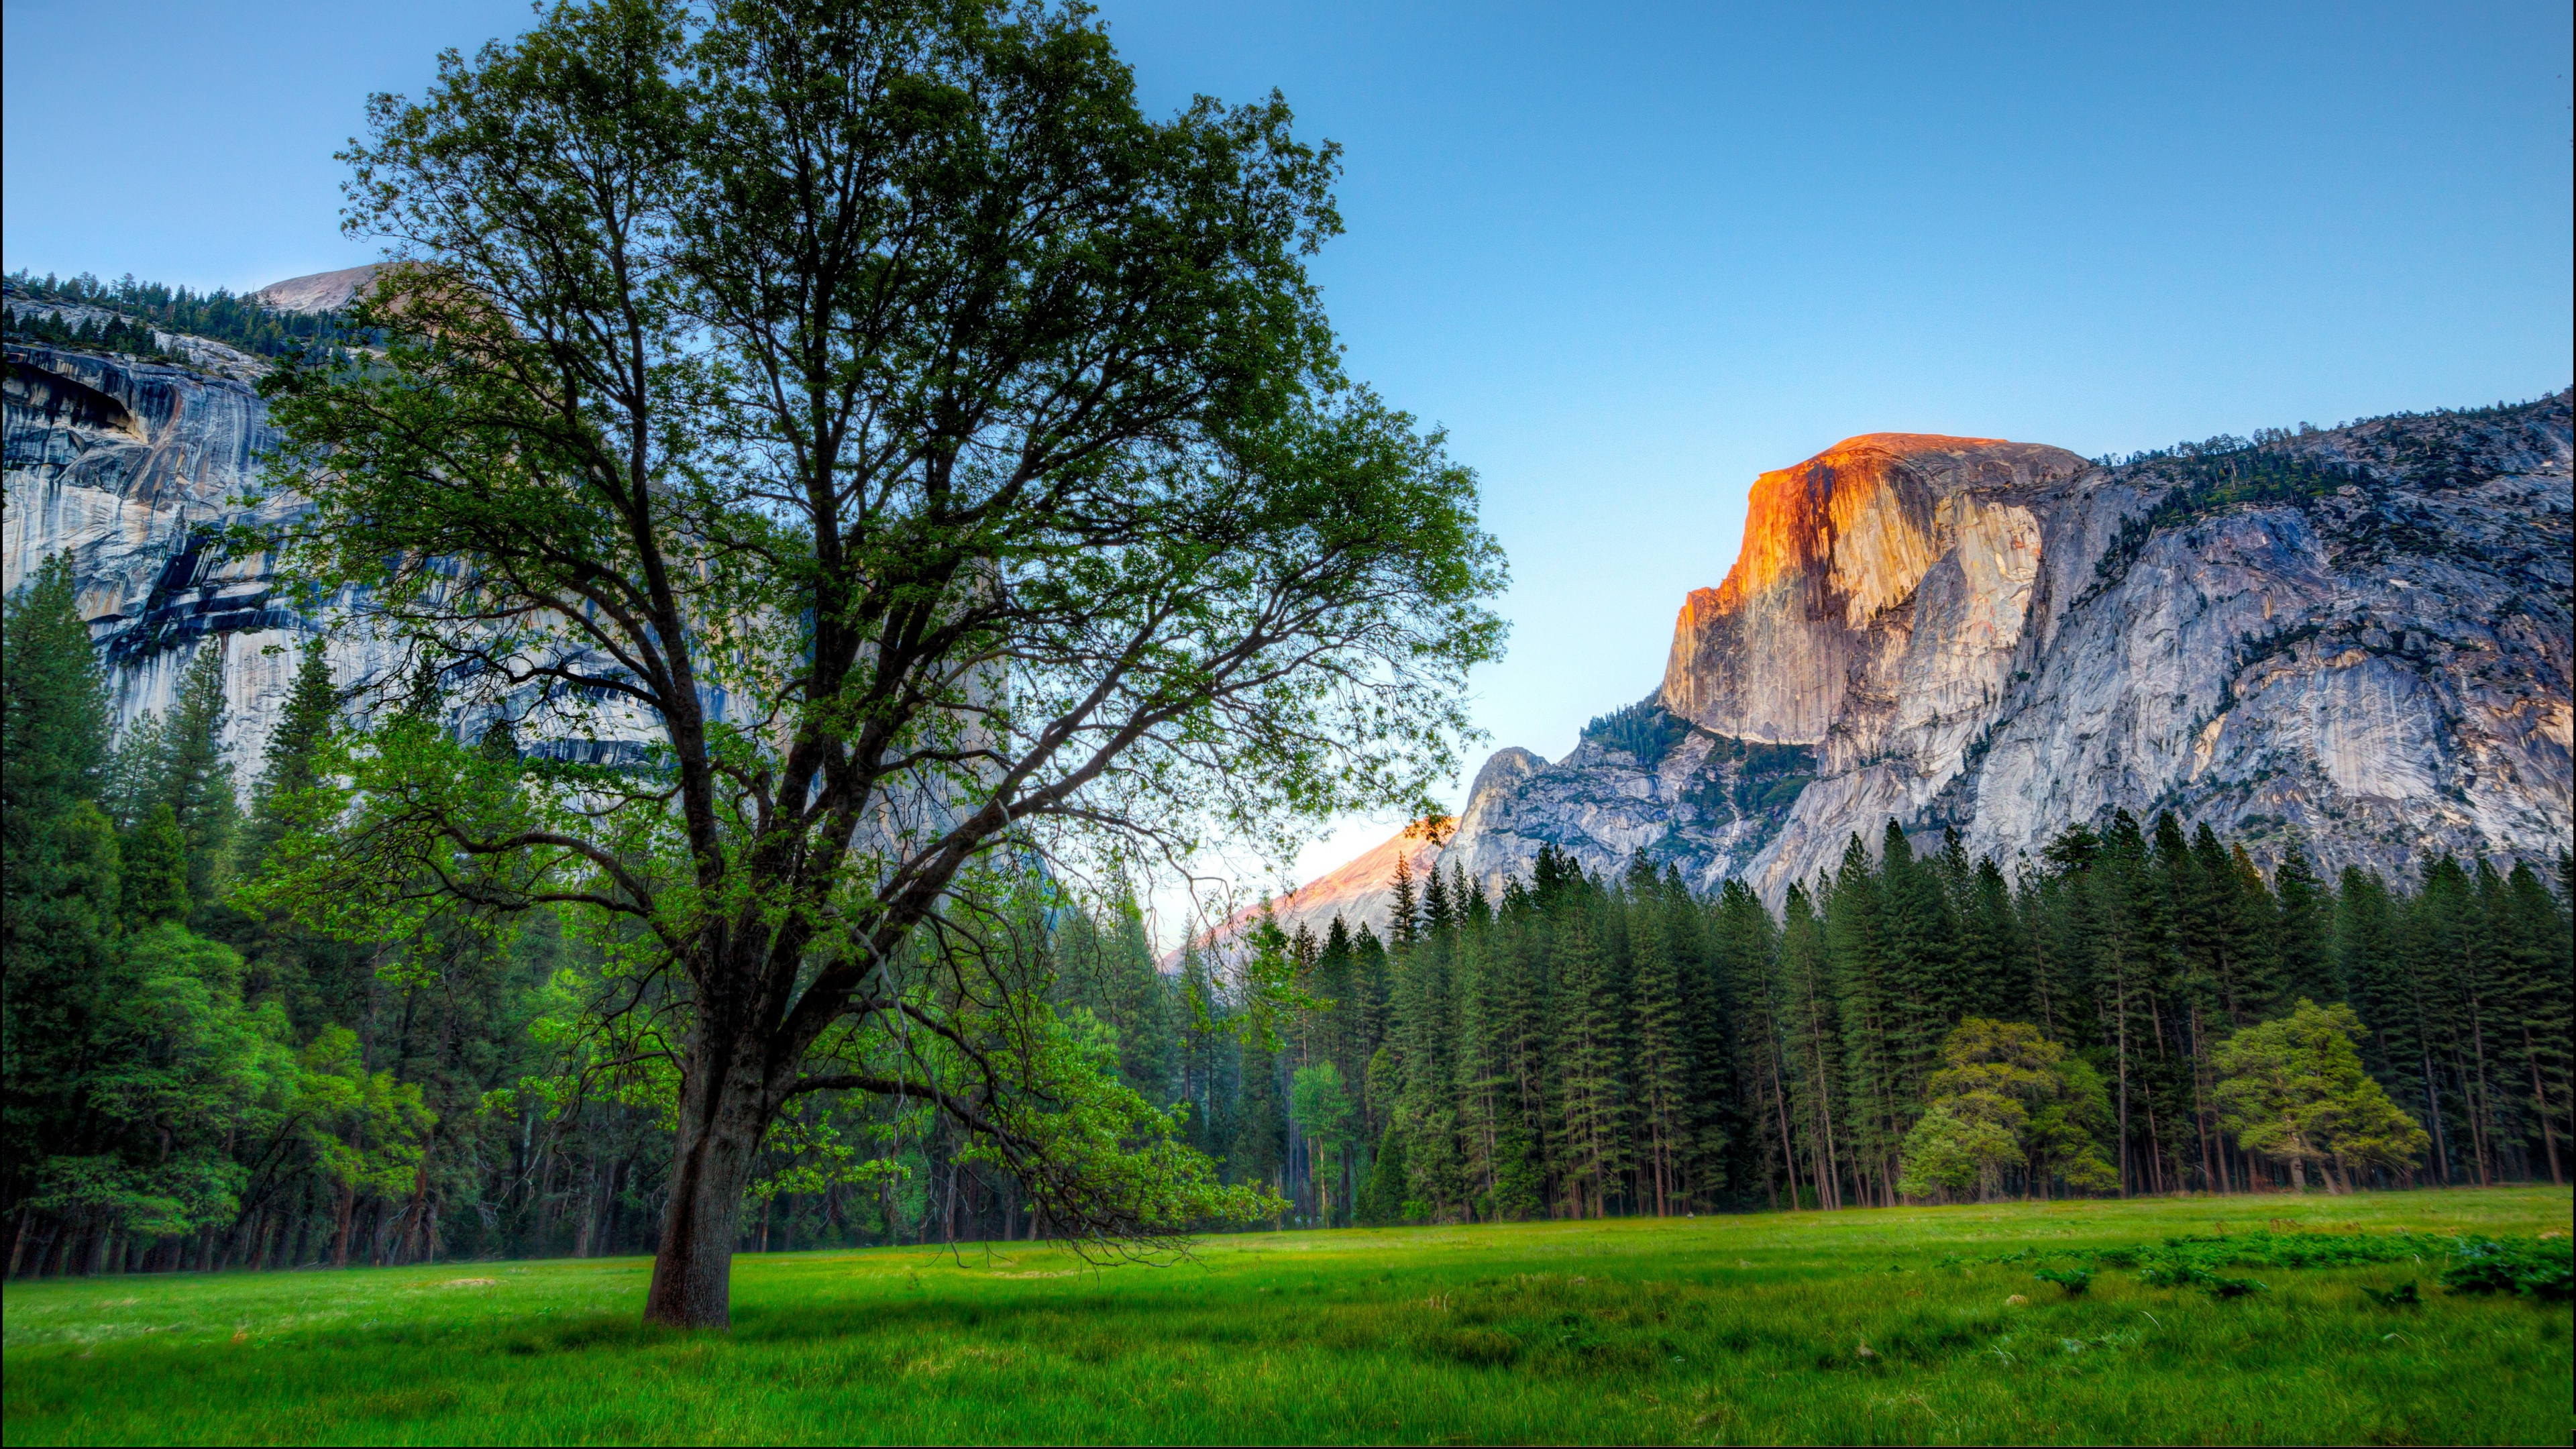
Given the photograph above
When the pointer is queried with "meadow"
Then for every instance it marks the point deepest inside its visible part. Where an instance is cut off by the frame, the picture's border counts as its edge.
(1891, 1326)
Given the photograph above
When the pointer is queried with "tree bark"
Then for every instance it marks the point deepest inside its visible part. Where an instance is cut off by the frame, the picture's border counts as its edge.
(345, 1216)
(2540, 1100)
(723, 1110)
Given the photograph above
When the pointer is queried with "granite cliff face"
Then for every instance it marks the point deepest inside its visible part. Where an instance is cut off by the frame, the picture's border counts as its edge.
(134, 469)
(1830, 546)
(2370, 652)
(131, 468)
(2355, 638)
(320, 292)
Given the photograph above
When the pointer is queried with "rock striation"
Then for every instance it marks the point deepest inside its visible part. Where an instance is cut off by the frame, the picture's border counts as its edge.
(133, 468)
(2357, 639)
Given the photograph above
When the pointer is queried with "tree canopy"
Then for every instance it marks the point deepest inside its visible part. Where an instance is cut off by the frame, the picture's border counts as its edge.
(834, 455)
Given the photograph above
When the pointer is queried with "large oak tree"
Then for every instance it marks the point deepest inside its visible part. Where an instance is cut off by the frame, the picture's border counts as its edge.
(829, 456)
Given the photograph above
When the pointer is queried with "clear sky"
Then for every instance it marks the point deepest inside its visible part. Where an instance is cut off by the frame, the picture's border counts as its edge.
(1632, 256)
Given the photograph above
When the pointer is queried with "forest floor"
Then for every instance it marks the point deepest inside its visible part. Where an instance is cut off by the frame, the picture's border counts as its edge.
(1891, 1326)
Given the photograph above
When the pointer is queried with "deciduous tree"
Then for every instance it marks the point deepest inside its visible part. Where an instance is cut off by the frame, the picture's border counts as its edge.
(905, 459)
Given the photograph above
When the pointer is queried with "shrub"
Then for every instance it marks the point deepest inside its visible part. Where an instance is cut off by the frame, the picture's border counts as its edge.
(2073, 1280)
(2525, 1267)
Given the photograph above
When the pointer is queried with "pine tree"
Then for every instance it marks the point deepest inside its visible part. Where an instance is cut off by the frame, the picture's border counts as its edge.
(1662, 1072)
(1588, 1062)
(53, 707)
(1710, 1118)
(291, 764)
(2302, 931)
(2135, 955)
(60, 873)
(1918, 937)
(1743, 951)
(1873, 1101)
(1370, 985)
(1403, 920)
(1259, 1150)
(1382, 1197)
(197, 782)
(156, 869)
(1437, 914)
(2538, 1010)
(1517, 1050)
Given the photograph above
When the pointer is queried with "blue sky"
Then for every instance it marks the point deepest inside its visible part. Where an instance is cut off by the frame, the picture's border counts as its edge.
(1630, 257)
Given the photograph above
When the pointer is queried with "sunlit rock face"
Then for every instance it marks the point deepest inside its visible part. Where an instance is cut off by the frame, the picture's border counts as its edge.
(1359, 893)
(1946, 632)
(320, 292)
(1927, 629)
(1834, 543)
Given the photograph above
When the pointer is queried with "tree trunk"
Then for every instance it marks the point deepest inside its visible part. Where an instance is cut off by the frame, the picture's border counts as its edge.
(2540, 1100)
(345, 1217)
(722, 1113)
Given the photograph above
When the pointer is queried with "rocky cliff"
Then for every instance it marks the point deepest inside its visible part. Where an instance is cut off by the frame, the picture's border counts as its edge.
(1360, 891)
(132, 467)
(2358, 638)
(2355, 638)
(320, 292)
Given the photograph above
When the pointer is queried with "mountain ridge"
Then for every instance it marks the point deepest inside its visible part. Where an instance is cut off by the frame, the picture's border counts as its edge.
(2366, 655)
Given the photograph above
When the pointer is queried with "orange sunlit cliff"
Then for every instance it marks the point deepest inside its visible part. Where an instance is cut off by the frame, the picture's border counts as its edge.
(1828, 544)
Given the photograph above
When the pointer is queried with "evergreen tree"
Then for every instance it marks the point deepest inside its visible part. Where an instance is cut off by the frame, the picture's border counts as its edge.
(196, 781)
(1917, 936)
(2538, 1014)
(1259, 1150)
(1663, 1075)
(53, 709)
(155, 868)
(1810, 1034)
(1382, 1199)
(1874, 1106)
(1995, 963)
(291, 765)
(1593, 1111)
(1370, 985)
(2302, 931)
(1403, 921)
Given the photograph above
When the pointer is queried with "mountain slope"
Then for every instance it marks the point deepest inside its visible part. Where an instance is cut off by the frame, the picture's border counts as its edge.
(2357, 639)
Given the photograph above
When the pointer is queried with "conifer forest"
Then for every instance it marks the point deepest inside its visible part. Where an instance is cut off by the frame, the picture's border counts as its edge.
(195, 1083)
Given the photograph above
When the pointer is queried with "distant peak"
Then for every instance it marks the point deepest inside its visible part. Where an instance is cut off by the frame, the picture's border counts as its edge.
(320, 292)
(1908, 444)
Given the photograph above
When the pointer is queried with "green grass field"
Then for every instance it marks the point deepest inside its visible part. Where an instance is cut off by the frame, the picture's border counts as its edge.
(1776, 1328)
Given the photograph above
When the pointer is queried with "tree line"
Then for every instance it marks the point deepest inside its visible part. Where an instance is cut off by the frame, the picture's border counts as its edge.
(194, 1082)
(221, 315)
(2140, 1010)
